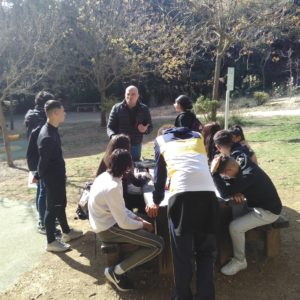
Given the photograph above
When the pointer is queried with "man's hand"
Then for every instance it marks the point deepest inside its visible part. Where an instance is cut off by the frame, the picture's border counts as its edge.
(215, 164)
(238, 198)
(152, 210)
(148, 226)
(142, 129)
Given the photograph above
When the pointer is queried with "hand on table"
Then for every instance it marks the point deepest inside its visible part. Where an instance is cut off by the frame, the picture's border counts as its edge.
(143, 128)
(152, 210)
(238, 198)
(148, 226)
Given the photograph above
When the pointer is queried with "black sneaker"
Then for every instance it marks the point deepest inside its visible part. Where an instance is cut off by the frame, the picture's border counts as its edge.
(121, 282)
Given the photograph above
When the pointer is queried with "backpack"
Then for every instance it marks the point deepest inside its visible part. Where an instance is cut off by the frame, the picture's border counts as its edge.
(196, 125)
(82, 209)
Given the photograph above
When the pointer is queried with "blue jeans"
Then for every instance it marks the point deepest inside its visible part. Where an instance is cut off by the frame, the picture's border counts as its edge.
(187, 248)
(136, 152)
(41, 201)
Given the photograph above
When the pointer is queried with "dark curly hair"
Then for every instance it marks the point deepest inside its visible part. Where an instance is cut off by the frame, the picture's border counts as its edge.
(119, 162)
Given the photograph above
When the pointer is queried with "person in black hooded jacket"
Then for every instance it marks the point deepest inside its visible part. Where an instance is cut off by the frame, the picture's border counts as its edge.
(34, 120)
(186, 117)
(37, 116)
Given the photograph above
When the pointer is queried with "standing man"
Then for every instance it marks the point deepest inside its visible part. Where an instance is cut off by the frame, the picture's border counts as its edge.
(34, 120)
(51, 169)
(132, 118)
(192, 209)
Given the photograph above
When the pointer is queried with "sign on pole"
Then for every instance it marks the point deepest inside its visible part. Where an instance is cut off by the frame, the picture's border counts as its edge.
(230, 79)
(230, 87)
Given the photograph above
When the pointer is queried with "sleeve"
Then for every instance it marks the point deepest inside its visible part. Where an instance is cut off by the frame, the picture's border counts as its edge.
(160, 176)
(239, 185)
(119, 212)
(181, 120)
(221, 186)
(45, 151)
(32, 155)
(27, 118)
(148, 120)
(113, 123)
(130, 214)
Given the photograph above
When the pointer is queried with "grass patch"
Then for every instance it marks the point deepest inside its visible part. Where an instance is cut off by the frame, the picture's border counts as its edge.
(276, 143)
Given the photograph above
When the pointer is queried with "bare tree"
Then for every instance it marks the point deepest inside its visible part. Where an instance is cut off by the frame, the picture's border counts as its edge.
(29, 35)
(221, 24)
(117, 39)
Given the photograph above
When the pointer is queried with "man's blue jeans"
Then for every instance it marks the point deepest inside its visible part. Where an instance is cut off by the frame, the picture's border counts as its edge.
(41, 201)
(136, 152)
(186, 249)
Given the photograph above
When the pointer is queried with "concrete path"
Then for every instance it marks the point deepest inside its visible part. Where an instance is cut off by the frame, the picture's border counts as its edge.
(21, 247)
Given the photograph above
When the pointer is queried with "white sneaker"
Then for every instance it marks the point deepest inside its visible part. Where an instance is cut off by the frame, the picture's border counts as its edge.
(73, 234)
(57, 246)
(234, 266)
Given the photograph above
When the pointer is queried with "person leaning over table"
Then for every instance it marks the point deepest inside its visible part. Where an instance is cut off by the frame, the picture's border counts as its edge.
(132, 201)
(114, 223)
(192, 208)
(263, 206)
(132, 118)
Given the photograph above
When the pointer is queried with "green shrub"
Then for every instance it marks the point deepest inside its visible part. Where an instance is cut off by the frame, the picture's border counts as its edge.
(261, 97)
(233, 120)
(205, 106)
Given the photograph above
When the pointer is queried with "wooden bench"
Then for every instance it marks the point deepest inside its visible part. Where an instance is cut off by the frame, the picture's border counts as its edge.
(86, 106)
(115, 252)
(270, 234)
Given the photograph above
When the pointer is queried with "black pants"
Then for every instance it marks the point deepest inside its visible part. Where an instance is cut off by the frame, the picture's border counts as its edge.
(186, 248)
(56, 202)
(135, 201)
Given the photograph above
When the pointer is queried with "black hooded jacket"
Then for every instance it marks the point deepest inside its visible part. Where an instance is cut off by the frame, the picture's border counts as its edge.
(253, 183)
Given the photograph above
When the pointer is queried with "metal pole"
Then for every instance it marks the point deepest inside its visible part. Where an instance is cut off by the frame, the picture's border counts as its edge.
(226, 109)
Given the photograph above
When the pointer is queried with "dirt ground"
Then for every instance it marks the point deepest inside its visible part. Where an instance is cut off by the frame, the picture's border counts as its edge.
(78, 274)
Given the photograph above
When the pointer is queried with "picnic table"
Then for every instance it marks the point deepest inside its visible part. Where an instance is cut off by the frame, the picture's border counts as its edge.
(269, 234)
(224, 245)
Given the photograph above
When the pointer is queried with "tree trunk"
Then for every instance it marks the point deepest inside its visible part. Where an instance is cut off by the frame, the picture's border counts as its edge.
(215, 94)
(103, 109)
(5, 138)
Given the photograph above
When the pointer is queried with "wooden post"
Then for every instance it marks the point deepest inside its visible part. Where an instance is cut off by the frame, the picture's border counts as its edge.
(5, 137)
(272, 244)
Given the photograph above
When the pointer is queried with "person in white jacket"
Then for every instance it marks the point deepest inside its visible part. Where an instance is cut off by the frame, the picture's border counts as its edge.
(114, 223)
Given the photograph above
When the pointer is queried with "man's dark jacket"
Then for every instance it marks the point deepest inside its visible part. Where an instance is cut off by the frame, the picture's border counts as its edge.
(122, 119)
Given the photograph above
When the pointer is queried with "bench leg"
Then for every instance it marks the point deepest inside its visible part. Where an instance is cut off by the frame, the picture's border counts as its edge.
(112, 259)
(272, 243)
